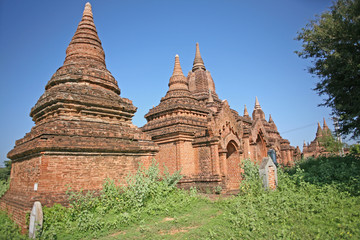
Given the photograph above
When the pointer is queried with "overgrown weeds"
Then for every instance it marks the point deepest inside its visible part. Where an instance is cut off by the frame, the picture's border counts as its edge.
(91, 215)
(298, 209)
(317, 199)
(340, 172)
(4, 186)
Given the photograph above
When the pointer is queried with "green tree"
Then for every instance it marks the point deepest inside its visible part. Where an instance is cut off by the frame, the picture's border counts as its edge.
(332, 42)
(355, 149)
(331, 145)
(5, 172)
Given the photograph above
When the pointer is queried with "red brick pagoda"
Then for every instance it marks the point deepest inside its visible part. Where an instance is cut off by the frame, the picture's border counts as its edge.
(83, 132)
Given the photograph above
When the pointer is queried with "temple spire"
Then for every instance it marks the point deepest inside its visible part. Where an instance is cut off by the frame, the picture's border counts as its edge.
(319, 130)
(326, 129)
(198, 62)
(246, 113)
(325, 126)
(85, 45)
(177, 67)
(178, 80)
(270, 119)
(85, 58)
(257, 104)
(258, 113)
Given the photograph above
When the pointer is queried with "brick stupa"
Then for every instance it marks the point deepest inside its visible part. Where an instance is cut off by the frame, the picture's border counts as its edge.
(83, 132)
(314, 149)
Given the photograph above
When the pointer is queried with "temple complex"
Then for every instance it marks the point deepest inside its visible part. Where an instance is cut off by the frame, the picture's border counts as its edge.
(83, 132)
(314, 149)
(201, 136)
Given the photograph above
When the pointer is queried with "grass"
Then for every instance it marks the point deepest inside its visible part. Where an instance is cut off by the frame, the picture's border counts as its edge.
(180, 225)
(306, 205)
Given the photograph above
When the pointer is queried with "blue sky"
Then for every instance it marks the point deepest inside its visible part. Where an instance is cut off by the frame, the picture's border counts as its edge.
(248, 46)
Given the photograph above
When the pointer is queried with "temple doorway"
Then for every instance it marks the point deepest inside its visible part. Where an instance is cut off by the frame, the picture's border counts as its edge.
(261, 150)
(233, 166)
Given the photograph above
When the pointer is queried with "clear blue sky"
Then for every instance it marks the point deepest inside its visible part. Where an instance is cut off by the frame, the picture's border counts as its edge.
(248, 46)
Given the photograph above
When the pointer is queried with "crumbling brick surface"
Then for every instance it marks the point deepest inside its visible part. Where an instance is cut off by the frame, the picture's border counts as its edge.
(201, 136)
(83, 132)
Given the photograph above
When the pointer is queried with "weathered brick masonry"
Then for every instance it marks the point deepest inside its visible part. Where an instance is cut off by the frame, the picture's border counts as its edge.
(83, 132)
(314, 149)
(199, 134)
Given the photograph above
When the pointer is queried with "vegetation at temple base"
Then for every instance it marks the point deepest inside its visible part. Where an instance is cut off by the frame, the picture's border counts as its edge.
(8, 229)
(332, 42)
(355, 149)
(330, 143)
(5, 171)
(4, 186)
(342, 173)
(316, 199)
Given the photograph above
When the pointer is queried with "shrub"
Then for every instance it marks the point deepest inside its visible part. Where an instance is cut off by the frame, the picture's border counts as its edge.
(5, 172)
(4, 186)
(8, 229)
(251, 182)
(298, 209)
(341, 172)
(92, 213)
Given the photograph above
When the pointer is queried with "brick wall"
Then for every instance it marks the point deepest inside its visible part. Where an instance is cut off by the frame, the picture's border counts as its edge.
(167, 156)
(55, 173)
(272, 180)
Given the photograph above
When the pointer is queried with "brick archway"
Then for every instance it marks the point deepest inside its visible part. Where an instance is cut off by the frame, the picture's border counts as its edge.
(233, 165)
(231, 149)
(261, 150)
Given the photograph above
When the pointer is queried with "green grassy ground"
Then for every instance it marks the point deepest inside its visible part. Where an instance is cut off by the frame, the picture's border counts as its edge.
(192, 223)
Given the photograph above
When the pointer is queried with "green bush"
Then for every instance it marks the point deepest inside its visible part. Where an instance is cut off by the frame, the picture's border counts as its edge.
(341, 172)
(4, 186)
(8, 229)
(251, 182)
(355, 149)
(5, 172)
(90, 214)
(297, 209)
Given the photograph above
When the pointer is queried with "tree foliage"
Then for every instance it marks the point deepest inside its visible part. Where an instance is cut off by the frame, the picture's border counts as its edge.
(330, 143)
(355, 149)
(5, 172)
(332, 42)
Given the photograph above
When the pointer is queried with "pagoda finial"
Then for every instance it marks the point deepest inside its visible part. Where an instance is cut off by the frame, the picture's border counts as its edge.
(177, 67)
(178, 80)
(319, 130)
(324, 124)
(270, 119)
(87, 9)
(85, 45)
(257, 104)
(246, 113)
(198, 62)
(326, 129)
(304, 144)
